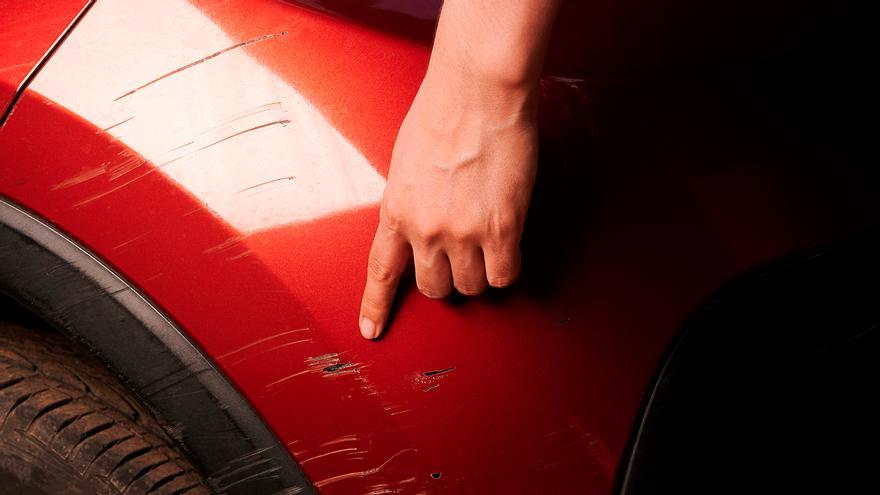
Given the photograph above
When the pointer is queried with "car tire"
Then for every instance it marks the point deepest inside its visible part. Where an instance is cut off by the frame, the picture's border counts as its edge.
(67, 425)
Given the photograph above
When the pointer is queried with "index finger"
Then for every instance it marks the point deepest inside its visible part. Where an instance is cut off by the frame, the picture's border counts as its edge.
(388, 257)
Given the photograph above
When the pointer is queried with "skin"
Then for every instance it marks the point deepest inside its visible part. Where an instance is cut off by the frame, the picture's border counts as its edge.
(464, 163)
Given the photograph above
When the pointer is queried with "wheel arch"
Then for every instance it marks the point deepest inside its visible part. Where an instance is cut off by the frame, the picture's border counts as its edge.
(70, 288)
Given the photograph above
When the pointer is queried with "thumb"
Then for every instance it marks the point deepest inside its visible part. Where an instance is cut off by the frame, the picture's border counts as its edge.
(388, 257)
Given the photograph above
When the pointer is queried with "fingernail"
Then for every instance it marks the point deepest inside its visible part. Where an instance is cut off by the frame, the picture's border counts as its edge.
(368, 328)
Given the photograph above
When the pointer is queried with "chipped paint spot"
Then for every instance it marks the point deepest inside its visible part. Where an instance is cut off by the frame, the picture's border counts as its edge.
(427, 380)
(438, 372)
(333, 368)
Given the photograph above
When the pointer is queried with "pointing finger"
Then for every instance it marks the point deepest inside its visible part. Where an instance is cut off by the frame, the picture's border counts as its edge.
(388, 257)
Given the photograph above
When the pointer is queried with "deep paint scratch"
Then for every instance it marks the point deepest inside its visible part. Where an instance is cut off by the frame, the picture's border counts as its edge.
(327, 364)
(438, 372)
(117, 124)
(361, 474)
(333, 368)
(202, 60)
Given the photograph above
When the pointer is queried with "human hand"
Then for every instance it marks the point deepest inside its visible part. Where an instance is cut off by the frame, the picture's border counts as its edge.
(462, 171)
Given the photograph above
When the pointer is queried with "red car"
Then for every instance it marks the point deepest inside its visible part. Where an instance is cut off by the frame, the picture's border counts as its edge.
(188, 190)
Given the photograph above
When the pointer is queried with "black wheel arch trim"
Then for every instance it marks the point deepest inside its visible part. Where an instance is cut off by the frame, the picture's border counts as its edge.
(841, 253)
(73, 290)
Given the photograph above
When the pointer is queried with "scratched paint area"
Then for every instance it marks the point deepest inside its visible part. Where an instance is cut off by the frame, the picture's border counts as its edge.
(229, 165)
(270, 288)
(164, 105)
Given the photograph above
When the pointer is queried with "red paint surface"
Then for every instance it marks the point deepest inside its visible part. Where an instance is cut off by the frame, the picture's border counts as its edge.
(631, 229)
(27, 30)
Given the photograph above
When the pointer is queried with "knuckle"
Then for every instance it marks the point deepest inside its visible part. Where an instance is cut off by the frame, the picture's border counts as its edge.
(503, 225)
(373, 304)
(391, 217)
(379, 271)
(429, 233)
(462, 233)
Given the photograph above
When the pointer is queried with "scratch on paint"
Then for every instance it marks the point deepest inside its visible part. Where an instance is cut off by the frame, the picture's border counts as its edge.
(286, 378)
(117, 124)
(333, 368)
(118, 170)
(112, 190)
(310, 459)
(427, 379)
(361, 474)
(438, 372)
(239, 133)
(275, 105)
(327, 364)
(271, 349)
(265, 183)
(133, 239)
(228, 243)
(240, 255)
(83, 176)
(260, 341)
(344, 438)
(202, 60)
(184, 145)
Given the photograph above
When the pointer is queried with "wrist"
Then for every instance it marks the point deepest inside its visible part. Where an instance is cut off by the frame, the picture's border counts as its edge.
(476, 86)
(487, 63)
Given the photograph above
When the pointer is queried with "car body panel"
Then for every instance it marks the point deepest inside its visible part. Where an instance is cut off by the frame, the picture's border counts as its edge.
(230, 166)
(29, 30)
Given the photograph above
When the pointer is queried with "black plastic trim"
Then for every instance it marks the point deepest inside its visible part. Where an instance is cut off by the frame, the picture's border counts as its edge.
(70, 288)
(776, 367)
